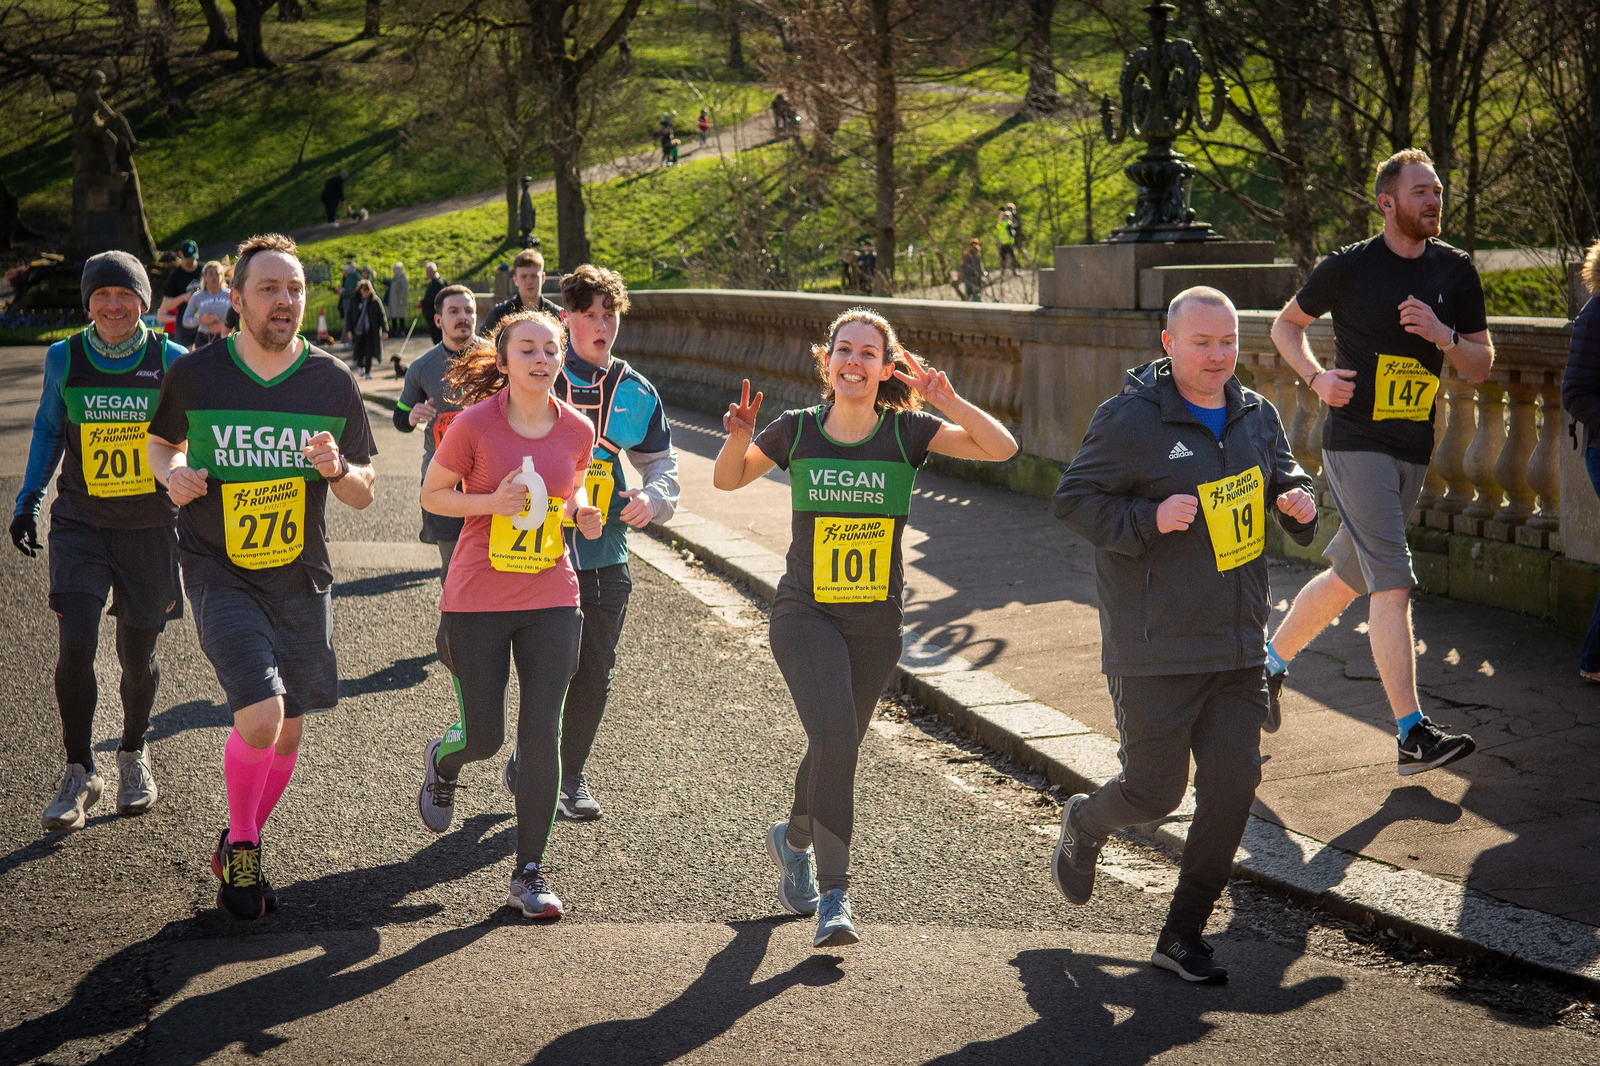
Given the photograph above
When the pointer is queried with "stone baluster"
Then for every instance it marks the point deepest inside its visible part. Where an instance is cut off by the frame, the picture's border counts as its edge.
(1304, 439)
(1511, 469)
(1480, 459)
(1460, 423)
(1544, 470)
(1434, 486)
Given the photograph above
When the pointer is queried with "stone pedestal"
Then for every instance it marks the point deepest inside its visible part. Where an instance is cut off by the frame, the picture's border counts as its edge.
(1135, 276)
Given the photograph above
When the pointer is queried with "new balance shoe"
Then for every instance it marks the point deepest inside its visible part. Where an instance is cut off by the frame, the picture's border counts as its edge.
(530, 893)
(1072, 865)
(575, 800)
(1427, 747)
(1274, 710)
(797, 877)
(436, 800)
(836, 925)
(1190, 958)
(79, 790)
(508, 776)
(268, 896)
(136, 785)
(238, 867)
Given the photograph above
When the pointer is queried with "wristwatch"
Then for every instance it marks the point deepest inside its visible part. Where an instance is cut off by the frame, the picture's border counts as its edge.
(344, 468)
(1455, 339)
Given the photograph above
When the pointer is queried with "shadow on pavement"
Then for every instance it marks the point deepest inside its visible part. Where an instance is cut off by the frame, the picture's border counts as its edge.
(402, 673)
(383, 584)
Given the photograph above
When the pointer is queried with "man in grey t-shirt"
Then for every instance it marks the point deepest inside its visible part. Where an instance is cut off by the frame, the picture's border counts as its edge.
(427, 401)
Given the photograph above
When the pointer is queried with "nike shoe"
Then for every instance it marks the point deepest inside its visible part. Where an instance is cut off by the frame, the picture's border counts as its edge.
(508, 776)
(1428, 747)
(436, 800)
(79, 790)
(530, 893)
(1274, 711)
(836, 925)
(797, 877)
(268, 896)
(136, 785)
(575, 800)
(1072, 865)
(238, 867)
(1190, 958)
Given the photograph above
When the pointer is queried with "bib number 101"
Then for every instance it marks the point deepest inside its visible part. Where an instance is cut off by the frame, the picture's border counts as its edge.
(853, 563)
(850, 559)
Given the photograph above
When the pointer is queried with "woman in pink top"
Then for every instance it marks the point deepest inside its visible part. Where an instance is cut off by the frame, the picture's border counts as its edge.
(511, 593)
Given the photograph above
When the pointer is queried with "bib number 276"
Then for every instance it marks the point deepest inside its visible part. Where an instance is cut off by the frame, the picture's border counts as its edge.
(264, 521)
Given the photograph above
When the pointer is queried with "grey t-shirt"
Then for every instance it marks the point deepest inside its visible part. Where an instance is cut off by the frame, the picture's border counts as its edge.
(425, 384)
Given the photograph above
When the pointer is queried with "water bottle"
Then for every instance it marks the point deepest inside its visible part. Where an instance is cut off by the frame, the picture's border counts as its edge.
(533, 518)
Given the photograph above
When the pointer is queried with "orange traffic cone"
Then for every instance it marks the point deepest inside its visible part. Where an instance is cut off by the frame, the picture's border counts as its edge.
(322, 328)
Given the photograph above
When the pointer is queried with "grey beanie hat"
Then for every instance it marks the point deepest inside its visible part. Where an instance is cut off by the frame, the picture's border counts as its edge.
(115, 268)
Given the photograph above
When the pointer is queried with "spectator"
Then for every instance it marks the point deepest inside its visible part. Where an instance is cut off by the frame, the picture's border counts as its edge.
(366, 327)
(333, 195)
(1580, 395)
(704, 125)
(972, 272)
(181, 281)
(347, 295)
(397, 297)
(866, 266)
(428, 304)
(780, 116)
(207, 311)
(1005, 236)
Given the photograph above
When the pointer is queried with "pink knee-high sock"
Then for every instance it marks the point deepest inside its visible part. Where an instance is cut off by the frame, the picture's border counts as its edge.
(245, 770)
(277, 780)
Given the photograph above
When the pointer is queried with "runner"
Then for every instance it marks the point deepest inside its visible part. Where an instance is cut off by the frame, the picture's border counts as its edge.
(1402, 303)
(251, 434)
(527, 273)
(511, 594)
(628, 414)
(1178, 528)
(835, 628)
(110, 527)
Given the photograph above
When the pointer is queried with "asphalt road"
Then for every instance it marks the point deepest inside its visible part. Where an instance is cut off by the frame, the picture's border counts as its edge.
(391, 944)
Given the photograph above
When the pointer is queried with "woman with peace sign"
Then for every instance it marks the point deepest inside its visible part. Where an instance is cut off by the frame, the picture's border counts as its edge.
(835, 628)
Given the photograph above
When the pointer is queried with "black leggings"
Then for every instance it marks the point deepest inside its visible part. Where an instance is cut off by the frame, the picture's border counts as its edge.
(836, 671)
(478, 647)
(604, 595)
(77, 692)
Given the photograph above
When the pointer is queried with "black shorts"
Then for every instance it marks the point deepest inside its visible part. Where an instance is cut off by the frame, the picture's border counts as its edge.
(136, 568)
(438, 527)
(262, 648)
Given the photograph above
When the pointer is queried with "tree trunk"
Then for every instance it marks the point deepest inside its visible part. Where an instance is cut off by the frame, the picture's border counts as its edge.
(251, 51)
(1042, 97)
(885, 124)
(370, 30)
(828, 115)
(1088, 187)
(1441, 100)
(161, 37)
(1355, 148)
(735, 39)
(1299, 216)
(218, 36)
(126, 12)
(566, 150)
(513, 198)
(11, 224)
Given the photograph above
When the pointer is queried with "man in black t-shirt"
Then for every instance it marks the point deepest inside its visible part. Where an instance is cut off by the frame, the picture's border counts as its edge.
(249, 439)
(527, 271)
(181, 282)
(1403, 302)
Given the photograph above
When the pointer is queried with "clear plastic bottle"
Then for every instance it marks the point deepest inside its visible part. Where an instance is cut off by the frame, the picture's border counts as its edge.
(533, 517)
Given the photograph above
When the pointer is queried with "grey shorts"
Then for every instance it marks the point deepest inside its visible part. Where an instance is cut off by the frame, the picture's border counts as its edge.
(138, 568)
(263, 648)
(1375, 494)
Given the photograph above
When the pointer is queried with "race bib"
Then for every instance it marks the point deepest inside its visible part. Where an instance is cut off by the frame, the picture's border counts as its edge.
(114, 461)
(598, 484)
(527, 551)
(264, 522)
(1406, 389)
(441, 422)
(850, 559)
(1235, 517)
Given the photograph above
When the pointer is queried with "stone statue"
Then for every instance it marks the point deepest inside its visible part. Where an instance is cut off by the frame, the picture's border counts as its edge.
(107, 205)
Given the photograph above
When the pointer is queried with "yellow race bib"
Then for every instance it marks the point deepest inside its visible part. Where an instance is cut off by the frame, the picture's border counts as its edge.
(1405, 389)
(264, 522)
(527, 551)
(850, 559)
(114, 462)
(1235, 517)
(598, 484)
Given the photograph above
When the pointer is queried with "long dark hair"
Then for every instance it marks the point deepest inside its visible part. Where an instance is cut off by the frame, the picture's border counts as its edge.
(893, 394)
(476, 375)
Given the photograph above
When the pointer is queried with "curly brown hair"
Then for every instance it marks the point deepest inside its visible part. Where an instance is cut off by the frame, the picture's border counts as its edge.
(893, 394)
(580, 288)
(476, 375)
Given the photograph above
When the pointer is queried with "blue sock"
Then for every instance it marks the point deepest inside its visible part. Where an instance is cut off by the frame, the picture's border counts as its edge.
(1403, 725)
(1275, 665)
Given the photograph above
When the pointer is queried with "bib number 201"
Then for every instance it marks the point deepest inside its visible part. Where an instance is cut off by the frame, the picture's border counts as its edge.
(114, 461)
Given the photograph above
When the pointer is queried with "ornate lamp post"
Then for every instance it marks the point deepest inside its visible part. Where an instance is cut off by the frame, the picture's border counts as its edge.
(1160, 93)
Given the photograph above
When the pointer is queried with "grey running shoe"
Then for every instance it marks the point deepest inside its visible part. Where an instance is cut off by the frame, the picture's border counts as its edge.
(530, 893)
(1072, 865)
(797, 877)
(79, 790)
(1427, 747)
(575, 801)
(1274, 709)
(836, 925)
(436, 800)
(508, 776)
(136, 785)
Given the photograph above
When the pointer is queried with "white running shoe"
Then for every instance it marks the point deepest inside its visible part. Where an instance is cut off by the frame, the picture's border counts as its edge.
(79, 790)
(436, 800)
(136, 785)
(531, 894)
(836, 925)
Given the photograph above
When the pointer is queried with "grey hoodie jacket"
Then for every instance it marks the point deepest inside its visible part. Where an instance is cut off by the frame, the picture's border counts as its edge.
(1165, 608)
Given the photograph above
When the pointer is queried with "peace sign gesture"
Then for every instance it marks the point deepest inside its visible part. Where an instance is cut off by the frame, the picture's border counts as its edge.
(932, 384)
(741, 417)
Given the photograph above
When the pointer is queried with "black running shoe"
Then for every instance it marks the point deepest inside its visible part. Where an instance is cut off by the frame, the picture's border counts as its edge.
(238, 867)
(1072, 864)
(1427, 747)
(1274, 710)
(268, 896)
(1190, 958)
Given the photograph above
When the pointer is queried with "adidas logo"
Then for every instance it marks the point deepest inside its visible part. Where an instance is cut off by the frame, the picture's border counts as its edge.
(1179, 451)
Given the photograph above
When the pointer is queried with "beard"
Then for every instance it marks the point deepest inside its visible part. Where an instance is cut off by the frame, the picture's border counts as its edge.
(274, 337)
(1416, 227)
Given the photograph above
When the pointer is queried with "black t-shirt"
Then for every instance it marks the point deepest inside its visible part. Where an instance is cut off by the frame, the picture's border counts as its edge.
(1364, 285)
(261, 523)
(178, 280)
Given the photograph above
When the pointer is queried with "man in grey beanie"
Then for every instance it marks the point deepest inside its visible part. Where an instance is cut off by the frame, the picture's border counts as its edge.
(112, 529)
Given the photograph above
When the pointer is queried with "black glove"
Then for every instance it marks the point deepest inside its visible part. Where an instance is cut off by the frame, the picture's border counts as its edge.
(25, 534)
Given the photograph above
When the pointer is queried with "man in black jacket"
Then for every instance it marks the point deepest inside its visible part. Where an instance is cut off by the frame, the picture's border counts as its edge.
(1173, 486)
(429, 302)
(527, 271)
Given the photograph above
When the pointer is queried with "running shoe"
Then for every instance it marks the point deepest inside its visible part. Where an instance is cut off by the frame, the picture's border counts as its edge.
(797, 876)
(238, 867)
(268, 896)
(575, 801)
(530, 893)
(79, 790)
(836, 925)
(1592, 676)
(436, 800)
(508, 776)
(1072, 865)
(1190, 958)
(1427, 747)
(136, 785)
(1274, 710)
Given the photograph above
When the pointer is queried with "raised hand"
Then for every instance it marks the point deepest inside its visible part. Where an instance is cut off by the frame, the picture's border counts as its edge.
(509, 499)
(422, 414)
(639, 512)
(741, 417)
(932, 384)
(1417, 317)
